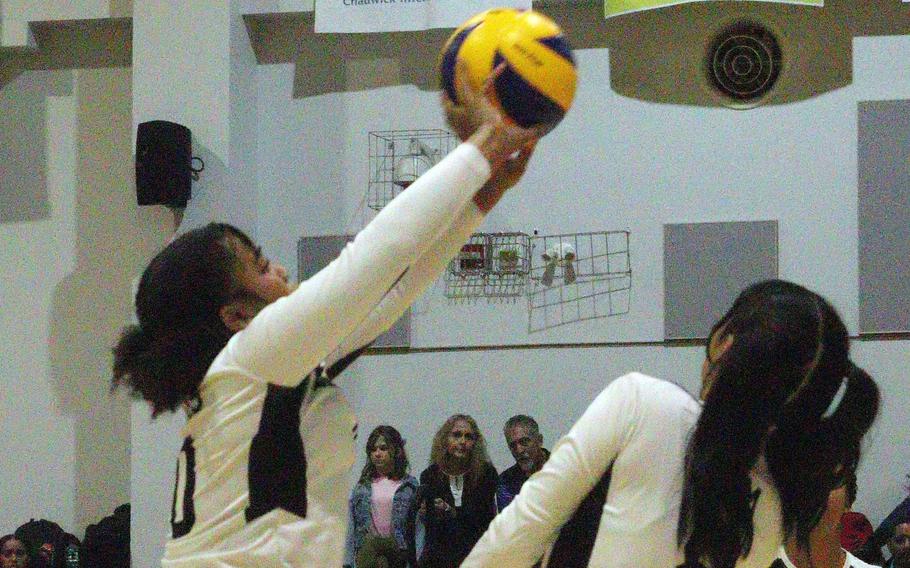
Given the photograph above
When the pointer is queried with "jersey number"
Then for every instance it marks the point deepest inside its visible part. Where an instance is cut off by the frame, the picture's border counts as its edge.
(183, 514)
(753, 500)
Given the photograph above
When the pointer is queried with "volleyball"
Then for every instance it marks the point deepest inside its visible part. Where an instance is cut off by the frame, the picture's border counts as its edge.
(538, 83)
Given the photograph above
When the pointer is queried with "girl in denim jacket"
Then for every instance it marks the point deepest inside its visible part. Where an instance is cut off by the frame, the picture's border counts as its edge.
(381, 505)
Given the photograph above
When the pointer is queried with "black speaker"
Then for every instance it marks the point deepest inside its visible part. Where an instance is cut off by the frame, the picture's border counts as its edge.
(164, 155)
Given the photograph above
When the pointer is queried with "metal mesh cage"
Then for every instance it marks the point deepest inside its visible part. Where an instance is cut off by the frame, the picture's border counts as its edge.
(578, 276)
(490, 265)
(398, 157)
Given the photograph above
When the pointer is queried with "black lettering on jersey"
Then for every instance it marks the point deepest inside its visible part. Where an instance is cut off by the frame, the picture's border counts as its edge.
(183, 513)
(339, 366)
(277, 466)
(575, 543)
(753, 499)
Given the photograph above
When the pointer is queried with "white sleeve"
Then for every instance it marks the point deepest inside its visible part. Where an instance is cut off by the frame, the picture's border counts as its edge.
(521, 533)
(290, 337)
(418, 278)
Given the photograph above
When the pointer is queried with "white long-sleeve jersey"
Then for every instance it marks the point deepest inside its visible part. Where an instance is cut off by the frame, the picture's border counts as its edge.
(850, 561)
(261, 477)
(637, 428)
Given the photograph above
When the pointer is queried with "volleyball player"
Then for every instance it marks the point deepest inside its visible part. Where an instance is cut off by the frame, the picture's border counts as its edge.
(261, 476)
(663, 480)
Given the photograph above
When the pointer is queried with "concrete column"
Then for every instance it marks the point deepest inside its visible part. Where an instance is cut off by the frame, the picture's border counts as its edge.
(193, 64)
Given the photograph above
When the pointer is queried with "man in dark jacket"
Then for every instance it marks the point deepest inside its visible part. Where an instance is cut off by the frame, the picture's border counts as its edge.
(526, 444)
(899, 546)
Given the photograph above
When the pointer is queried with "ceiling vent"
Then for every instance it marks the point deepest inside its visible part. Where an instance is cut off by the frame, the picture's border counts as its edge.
(743, 63)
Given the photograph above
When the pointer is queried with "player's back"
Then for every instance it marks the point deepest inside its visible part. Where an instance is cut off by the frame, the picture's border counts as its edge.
(262, 475)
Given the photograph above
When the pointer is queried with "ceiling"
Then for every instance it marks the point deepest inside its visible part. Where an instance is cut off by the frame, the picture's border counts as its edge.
(655, 55)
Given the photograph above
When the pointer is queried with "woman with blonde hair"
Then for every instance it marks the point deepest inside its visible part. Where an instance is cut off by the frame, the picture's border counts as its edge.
(457, 491)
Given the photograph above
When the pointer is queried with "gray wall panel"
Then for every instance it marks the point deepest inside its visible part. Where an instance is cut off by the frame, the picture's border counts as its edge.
(706, 265)
(884, 216)
(314, 253)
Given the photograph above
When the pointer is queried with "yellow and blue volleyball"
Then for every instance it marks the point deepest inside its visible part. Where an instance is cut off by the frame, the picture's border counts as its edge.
(538, 83)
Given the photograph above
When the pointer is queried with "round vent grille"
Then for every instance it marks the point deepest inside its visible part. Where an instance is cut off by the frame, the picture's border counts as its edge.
(744, 62)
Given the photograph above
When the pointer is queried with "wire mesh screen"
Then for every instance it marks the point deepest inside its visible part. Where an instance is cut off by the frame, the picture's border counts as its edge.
(578, 276)
(398, 157)
(490, 265)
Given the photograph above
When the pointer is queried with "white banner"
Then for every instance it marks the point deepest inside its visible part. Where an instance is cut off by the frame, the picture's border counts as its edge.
(353, 16)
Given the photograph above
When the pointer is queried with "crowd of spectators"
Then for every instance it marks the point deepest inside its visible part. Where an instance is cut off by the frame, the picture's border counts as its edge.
(45, 544)
(398, 521)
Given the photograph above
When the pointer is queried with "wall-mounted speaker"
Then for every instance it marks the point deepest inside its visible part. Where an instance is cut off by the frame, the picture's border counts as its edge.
(164, 154)
(743, 63)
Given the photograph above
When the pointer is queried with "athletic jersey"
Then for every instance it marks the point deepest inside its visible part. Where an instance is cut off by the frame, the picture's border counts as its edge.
(850, 561)
(262, 473)
(853, 562)
(625, 454)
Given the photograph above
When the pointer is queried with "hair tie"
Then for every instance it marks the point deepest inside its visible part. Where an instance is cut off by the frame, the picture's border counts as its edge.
(838, 397)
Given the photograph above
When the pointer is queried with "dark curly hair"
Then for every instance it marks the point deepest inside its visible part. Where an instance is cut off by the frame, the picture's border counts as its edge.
(164, 358)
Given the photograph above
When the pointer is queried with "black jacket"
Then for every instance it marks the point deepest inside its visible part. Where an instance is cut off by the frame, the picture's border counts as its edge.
(449, 539)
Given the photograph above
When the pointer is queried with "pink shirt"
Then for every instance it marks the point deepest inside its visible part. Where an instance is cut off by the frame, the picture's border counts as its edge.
(381, 504)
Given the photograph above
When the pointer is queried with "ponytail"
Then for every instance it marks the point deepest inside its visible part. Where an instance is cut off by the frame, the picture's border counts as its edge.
(165, 371)
(770, 396)
(810, 456)
(715, 522)
(164, 359)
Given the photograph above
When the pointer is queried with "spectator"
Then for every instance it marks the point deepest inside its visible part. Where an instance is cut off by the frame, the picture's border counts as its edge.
(899, 546)
(856, 530)
(13, 553)
(107, 543)
(526, 444)
(856, 538)
(46, 543)
(381, 504)
(900, 514)
(458, 493)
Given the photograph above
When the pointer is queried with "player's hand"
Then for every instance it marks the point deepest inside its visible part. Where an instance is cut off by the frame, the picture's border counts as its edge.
(476, 118)
(457, 117)
(465, 115)
(504, 178)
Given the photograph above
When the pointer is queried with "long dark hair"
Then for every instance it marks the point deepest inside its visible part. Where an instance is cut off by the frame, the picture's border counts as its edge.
(164, 358)
(395, 442)
(771, 394)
